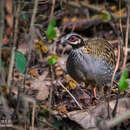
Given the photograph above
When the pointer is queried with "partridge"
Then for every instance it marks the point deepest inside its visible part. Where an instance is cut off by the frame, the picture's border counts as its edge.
(90, 60)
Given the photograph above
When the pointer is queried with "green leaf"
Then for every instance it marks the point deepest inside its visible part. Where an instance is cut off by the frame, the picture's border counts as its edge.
(52, 61)
(53, 22)
(20, 61)
(51, 32)
(105, 16)
(125, 74)
(24, 16)
(123, 84)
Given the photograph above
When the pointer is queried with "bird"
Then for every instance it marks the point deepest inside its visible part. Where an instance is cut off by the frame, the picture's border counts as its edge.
(91, 60)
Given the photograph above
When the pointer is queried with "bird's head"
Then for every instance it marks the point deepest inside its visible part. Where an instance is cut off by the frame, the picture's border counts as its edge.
(73, 39)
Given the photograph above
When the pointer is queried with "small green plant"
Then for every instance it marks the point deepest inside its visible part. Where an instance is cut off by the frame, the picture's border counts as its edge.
(105, 16)
(51, 32)
(52, 59)
(123, 84)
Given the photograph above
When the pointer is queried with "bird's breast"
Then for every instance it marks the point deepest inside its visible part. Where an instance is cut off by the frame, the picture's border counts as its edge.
(76, 66)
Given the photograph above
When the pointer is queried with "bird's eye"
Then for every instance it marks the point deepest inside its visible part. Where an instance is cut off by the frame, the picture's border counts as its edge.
(72, 39)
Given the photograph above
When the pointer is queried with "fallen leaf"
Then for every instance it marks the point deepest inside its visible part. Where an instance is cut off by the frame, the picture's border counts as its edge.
(42, 87)
(8, 6)
(62, 109)
(89, 118)
(34, 72)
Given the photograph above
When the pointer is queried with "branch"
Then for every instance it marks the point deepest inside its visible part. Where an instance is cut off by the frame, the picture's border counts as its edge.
(126, 38)
(14, 45)
(70, 95)
(2, 17)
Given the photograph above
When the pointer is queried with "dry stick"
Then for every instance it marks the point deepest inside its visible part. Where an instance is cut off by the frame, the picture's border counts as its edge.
(70, 95)
(49, 124)
(33, 114)
(115, 70)
(51, 88)
(107, 124)
(120, 118)
(14, 45)
(52, 10)
(2, 17)
(31, 34)
(117, 65)
(126, 38)
(2, 78)
(51, 67)
(120, 20)
(93, 8)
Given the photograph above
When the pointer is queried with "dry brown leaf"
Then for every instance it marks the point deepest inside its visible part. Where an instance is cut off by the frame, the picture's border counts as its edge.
(42, 87)
(82, 117)
(9, 19)
(18, 76)
(9, 6)
(44, 49)
(4, 89)
(65, 19)
(120, 12)
(113, 7)
(123, 105)
(41, 47)
(62, 109)
(28, 83)
(59, 73)
(58, 70)
(71, 84)
(74, 19)
(34, 72)
(89, 118)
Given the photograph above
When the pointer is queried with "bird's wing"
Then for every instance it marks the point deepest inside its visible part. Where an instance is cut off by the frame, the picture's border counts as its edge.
(99, 47)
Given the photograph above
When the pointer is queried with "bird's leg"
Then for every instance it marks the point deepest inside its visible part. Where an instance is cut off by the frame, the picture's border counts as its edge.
(94, 92)
(94, 98)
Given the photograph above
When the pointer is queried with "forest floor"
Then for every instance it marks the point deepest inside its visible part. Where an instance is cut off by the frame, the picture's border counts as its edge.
(45, 96)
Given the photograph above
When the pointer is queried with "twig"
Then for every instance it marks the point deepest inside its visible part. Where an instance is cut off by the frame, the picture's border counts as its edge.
(52, 10)
(113, 122)
(33, 16)
(33, 114)
(14, 45)
(70, 95)
(49, 124)
(51, 67)
(107, 124)
(126, 38)
(117, 63)
(2, 17)
(94, 8)
(31, 35)
(51, 88)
